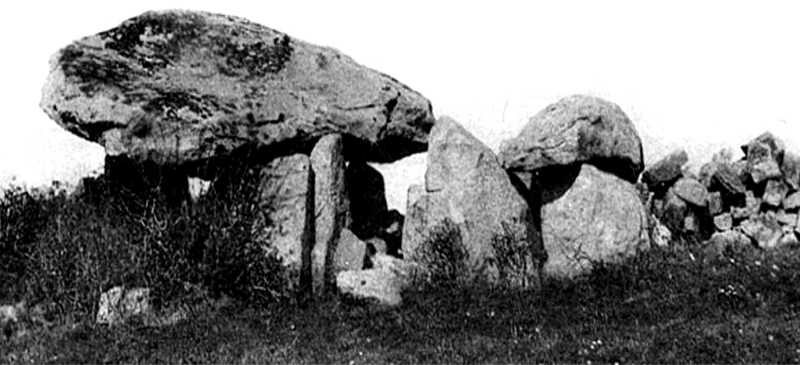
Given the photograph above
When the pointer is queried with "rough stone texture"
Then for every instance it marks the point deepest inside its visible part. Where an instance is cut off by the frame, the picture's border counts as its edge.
(760, 171)
(715, 203)
(327, 162)
(786, 219)
(599, 218)
(764, 230)
(286, 200)
(674, 211)
(466, 186)
(416, 219)
(707, 172)
(723, 222)
(367, 195)
(118, 305)
(750, 209)
(774, 193)
(577, 129)
(723, 156)
(792, 201)
(774, 145)
(350, 253)
(788, 239)
(665, 172)
(692, 191)
(797, 225)
(791, 170)
(764, 155)
(727, 181)
(376, 245)
(185, 86)
(719, 241)
(661, 235)
(383, 283)
(691, 223)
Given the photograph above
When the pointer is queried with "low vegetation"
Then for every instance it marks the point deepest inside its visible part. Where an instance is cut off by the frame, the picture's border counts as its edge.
(681, 304)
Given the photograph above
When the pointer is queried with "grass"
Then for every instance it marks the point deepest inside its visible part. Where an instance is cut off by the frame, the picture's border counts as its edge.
(680, 304)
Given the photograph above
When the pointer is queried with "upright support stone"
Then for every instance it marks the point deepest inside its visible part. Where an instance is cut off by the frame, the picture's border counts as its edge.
(285, 224)
(327, 162)
(470, 203)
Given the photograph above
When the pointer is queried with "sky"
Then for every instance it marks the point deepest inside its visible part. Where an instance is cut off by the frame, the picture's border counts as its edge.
(695, 75)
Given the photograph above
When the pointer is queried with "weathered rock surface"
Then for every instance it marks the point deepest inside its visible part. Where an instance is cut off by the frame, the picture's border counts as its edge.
(771, 144)
(350, 253)
(774, 192)
(577, 129)
(727, 181)
(286, 221)
(118, 305)
(186, 86)
(383, 283)
(466, 186)
(792, 201)
(366, 193)
(786, 219)
(600, 218)
(715, 204)
(720, 241)
(764, 155)
(755, 196)
(665, 172)
(723, 222)
(764, 230)
(121, 305)
(661, 235)
(791, 170)
(674, 211)
(692, 191)
(327, 162)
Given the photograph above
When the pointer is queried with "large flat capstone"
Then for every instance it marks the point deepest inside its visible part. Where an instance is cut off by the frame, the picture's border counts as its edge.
(185, 86)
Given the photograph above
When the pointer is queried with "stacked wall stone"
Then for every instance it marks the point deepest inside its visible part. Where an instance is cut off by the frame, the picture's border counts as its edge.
(753, 200)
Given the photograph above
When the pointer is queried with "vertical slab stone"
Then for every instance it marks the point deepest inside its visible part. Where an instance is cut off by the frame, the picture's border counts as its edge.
(286, 221)
(467, 190)
(327, 162)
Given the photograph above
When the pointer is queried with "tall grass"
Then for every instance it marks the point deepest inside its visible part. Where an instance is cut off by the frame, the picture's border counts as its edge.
(66, 249)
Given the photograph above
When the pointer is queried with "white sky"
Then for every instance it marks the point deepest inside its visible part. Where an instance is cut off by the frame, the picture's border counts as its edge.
(699, 75)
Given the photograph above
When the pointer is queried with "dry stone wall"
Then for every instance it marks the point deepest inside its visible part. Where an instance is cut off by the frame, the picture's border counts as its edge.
(750, 201)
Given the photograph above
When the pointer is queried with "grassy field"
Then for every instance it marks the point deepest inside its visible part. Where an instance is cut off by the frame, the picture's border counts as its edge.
(682, 304)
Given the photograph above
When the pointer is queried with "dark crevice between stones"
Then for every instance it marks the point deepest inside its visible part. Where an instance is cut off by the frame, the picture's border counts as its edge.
(390, 149)
(620, 167)
(533, 221)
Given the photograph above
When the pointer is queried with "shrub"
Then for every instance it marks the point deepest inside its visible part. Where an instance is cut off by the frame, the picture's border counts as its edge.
(68, 249)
